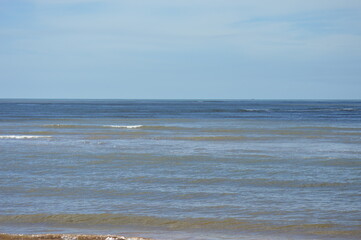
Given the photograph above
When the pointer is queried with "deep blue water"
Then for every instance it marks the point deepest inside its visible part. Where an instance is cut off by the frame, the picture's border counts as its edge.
(196, 109)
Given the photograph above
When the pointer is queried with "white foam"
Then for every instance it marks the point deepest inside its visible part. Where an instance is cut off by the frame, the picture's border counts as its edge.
(120, 126)
(21, 136)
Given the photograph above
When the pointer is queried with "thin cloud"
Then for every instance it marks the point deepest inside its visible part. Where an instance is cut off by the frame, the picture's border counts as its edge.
(224, 44)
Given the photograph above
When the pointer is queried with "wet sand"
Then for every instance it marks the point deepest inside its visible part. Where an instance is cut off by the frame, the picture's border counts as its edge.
(4, 236)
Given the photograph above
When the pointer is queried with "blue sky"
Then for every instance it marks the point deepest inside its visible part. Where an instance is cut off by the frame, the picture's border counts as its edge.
(214, 49)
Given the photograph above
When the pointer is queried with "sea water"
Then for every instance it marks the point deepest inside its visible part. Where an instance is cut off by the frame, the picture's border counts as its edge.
(182, 169)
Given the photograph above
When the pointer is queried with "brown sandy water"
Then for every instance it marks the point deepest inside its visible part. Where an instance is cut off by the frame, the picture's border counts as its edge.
(4, 236)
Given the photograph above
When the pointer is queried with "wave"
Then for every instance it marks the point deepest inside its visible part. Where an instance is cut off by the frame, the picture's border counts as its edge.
(124, 126)
(342, 162)
(323, 229)
(22, 136)
(211, 138)
(98, 137)
(156, 127)
(254, 110)
(349, 109)
(327, 128)
(229, 110)
(148, 127)
(244, 182)
(67, 126)
(219, 138)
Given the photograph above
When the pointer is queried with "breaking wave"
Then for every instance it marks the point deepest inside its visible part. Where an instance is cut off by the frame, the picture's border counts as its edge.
(22, 136)
(124, 126)
(148, 127)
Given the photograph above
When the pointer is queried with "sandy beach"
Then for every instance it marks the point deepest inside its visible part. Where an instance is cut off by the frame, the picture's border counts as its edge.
(4, 236)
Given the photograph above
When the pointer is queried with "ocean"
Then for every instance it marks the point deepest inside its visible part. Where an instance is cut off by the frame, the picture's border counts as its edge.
(182, 169)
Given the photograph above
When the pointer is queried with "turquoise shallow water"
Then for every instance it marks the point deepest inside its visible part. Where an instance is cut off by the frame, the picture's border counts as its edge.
(194, 169)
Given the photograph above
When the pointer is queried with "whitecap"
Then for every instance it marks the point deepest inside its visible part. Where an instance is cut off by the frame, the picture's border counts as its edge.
(121, 126)
(22, 136)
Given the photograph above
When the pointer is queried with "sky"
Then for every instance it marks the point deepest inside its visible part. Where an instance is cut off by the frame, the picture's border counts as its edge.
(180, 49)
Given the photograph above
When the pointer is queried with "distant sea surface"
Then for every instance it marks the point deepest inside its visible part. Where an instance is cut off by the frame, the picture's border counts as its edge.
(182, 169)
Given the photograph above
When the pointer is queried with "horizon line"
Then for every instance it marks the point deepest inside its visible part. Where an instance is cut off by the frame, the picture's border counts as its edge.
(196, 99)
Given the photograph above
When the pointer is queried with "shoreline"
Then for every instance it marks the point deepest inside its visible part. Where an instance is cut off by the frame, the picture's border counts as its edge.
(6, 236)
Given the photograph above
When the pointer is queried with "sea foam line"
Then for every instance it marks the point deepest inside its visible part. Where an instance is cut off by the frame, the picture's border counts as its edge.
(22, 136)
(120, 126)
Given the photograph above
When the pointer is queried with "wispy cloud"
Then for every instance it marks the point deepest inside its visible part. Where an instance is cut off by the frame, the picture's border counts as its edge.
(181, 39)
(162, 24)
